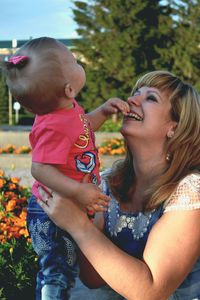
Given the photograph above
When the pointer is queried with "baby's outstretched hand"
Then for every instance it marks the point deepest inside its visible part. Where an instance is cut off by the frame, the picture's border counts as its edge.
(91, 196)
(115, 105)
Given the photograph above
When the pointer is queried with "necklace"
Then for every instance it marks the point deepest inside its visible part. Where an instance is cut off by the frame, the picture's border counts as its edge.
(137, 223)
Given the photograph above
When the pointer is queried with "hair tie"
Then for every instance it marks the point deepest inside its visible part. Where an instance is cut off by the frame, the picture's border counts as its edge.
(15, 60)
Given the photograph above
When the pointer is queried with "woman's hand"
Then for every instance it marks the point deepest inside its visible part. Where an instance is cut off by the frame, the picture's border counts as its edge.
(64, 212)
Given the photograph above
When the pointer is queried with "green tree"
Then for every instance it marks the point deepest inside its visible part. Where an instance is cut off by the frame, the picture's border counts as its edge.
(3, 100)
(120, 41)
(186, 49)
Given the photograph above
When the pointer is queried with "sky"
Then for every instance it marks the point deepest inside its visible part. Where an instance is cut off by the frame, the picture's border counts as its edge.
(22, 19)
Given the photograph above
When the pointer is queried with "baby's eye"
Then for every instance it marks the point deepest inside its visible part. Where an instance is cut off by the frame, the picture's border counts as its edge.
(152, 98)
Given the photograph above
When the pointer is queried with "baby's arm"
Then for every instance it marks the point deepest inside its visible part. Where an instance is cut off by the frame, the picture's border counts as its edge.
(88, 274)
(86, 194)
(111, 106)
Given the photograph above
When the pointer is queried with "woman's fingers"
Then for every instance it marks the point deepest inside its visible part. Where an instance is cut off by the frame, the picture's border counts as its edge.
(44, 204)
(44, 192)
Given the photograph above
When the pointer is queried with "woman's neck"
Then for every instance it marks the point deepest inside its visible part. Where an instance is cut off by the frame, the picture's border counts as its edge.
(148, 163)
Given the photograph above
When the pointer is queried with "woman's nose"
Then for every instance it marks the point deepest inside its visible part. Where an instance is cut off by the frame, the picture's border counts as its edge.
(136, 100)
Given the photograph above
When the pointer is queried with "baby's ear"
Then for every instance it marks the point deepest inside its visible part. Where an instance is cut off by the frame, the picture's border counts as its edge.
(69, 91)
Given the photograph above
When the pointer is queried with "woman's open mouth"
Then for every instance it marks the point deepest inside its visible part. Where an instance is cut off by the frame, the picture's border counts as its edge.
(135, 116)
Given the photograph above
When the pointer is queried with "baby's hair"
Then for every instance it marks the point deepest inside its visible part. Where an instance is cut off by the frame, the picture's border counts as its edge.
(34, 74)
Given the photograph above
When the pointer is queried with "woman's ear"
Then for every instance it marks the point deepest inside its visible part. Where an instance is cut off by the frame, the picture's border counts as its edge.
(69, 91)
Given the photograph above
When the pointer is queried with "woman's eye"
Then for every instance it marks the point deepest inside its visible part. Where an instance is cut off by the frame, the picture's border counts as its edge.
(152, 98)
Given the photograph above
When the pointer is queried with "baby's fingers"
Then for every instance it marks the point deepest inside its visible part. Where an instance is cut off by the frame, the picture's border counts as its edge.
(103, 197)
(123, 106)
(102, 203)
(98, 208)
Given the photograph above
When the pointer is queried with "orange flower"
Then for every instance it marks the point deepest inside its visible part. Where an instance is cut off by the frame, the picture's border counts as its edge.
(24, 232)
(1, 172)
(15, 179)
(13, 211)
(19, 222)
(23, 215)
(11, 205)
(2, 182)
(12, 186)
(9, 194)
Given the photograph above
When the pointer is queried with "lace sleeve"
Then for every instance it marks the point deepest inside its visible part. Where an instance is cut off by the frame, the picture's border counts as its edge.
(186, 195)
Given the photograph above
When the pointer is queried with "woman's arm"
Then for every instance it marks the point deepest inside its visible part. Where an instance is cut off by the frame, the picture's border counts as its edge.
(88, 274)
(172, 249)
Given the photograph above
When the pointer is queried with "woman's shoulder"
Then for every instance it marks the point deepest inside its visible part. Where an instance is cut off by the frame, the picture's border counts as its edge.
(193, 179)
(186, 195)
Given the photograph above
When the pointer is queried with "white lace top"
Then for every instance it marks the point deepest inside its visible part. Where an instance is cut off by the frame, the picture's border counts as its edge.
(186, 195)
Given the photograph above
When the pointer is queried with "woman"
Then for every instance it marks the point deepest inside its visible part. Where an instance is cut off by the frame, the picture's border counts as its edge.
(154, 214)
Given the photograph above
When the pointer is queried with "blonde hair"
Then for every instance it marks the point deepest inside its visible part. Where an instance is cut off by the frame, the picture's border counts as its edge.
(184, 146)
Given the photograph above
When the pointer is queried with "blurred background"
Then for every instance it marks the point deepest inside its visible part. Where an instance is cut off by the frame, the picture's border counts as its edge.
(115, 41)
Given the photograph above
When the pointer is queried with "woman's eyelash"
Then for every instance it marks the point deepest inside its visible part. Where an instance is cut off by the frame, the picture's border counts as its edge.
(151, 97)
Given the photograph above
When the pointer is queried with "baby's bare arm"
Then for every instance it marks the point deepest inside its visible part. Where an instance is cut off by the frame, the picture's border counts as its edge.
(111, 106)
(51, 177)
(86, 194)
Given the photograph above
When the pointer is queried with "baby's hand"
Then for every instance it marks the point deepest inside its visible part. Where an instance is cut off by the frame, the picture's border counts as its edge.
(91, 196)
(115, 105)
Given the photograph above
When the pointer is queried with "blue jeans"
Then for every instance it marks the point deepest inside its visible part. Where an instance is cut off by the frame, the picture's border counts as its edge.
(56, 255)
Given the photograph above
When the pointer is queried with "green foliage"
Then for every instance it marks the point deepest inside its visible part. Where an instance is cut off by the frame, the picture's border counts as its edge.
(186, 49)
(18, 264)
(17, 270)
(120, 41)
(110, 126)
(3, 100)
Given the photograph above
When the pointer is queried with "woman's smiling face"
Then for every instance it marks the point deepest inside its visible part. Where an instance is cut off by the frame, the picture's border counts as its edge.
(149, 116)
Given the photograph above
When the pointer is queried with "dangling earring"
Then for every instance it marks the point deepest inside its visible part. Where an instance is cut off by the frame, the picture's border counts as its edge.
(168, 157)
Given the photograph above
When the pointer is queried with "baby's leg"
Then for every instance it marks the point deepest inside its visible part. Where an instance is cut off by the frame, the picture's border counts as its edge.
(54, 278)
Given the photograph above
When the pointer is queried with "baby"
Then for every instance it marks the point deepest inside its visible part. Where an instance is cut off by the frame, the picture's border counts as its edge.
(45, 78)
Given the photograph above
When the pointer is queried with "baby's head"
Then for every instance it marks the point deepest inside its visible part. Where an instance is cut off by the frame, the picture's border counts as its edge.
(43, 74)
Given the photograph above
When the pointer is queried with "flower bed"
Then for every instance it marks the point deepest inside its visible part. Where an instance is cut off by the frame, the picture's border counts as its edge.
(13, 201)
(8, 149)
(17, 259)
(112, 147)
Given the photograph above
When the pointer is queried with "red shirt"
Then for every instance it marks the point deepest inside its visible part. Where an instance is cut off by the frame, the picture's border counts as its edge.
(65, 139)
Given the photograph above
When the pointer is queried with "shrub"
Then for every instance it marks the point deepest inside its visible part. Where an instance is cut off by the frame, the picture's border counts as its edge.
(112, 147)
(18, 262)
(111, 126)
